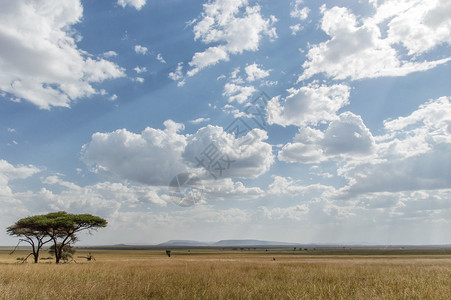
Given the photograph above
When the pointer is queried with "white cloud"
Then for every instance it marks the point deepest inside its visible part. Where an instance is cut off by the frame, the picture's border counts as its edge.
(109, 54)
(289, 186)
(298, 12)
(312, 104)
(234, 75)
(297, 212)
(40, 61)
(138, 4)
(177, 74)
(141, 49)
(232, 110)
(209, 57)
(234, 25)
(227, 189)
(255, 73)
(305, 147)
(420, 26)
(238, 93)
(104, 197)
(9, 172)
(434, 115)
(200, 120)
(358, 49)
(295, 28)
(155, 156)
(152, 157)
(140, 70)
(347, 137)
(160, 58)
(139, 79)
(301, 153)
(247, 156)
(413, 155)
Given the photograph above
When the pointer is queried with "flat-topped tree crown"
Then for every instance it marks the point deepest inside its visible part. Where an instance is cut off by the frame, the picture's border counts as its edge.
(59, 227)
(32, 230)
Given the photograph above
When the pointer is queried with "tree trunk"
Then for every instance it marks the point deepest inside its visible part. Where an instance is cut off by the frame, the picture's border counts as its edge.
(58, 251)
(35, 254)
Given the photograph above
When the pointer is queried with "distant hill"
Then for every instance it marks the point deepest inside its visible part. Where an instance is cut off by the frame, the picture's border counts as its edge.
(225, 243)
(183, 243)
(251, 243)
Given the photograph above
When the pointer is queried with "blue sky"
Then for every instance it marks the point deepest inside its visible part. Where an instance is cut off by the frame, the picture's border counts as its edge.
(103, 103)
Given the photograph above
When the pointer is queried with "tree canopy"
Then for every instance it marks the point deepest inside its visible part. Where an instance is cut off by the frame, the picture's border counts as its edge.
(33, 231)
(59, 227)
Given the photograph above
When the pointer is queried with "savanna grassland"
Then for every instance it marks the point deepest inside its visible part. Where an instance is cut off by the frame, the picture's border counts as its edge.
(228, 274)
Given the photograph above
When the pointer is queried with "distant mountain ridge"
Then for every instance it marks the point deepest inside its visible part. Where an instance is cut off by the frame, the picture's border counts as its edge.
(184, 243)
(251, 243)
(226, 243)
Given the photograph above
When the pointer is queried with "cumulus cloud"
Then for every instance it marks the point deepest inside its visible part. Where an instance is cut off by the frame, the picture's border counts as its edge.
(254, 72)
(289, 186)
(177, 74)
(160, 58)
(227, 189)
(311, 104)
(141, 49)
(238, 93)
(155, 156)
(348, 135)
(345, 137)
(413, 154)
(233, 26)
(152, 157)
(358, 49)
(140, 70)
(295, 28)
(297, 212)
(418, 26)
(110, 54)
(299, 152)
(106, 197)
(247, 156)
(305, 147)
(40, 61)
(200, 120)
(9, 172)
(298, 12)
(138, 4)
(209, 57)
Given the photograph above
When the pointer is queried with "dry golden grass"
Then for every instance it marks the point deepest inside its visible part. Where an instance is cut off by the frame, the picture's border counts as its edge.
(228, 275)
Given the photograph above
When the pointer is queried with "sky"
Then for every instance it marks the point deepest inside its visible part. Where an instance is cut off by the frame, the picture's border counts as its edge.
(297, 120)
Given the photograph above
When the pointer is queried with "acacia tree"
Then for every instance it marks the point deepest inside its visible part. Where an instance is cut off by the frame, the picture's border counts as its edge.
(63, 228)
(32, 230)
(60, 227)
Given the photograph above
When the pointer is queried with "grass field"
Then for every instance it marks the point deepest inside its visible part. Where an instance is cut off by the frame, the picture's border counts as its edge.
(227, 274)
